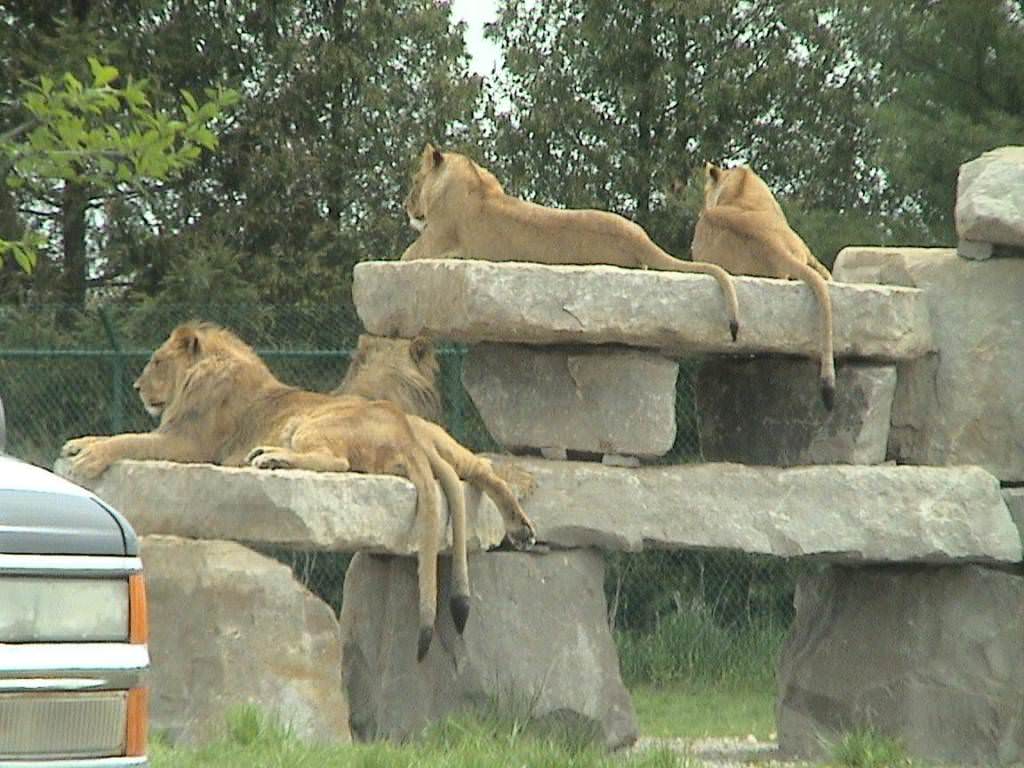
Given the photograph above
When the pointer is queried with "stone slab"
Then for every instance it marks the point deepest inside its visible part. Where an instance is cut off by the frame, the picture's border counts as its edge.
(931, 656)
(294, 509)
(963, 405)
(990, 199)
(769, 411)
(1014, 498)
(513, 655)
(836, 513)
(475, 301)
(610, 400)
(230, 627)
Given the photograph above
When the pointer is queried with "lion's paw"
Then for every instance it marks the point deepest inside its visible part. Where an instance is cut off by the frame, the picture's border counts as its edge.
(89, 462)
(522, 538)
(77, 445)
(266, 457)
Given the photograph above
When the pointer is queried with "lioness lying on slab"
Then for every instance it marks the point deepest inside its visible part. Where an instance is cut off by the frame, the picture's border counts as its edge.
(742, 228)
(461, 211)
(218, 402)
(404, 372)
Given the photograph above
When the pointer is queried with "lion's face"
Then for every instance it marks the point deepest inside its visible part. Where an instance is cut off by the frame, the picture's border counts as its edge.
(400, 370)
(415, 201)
(163, 374)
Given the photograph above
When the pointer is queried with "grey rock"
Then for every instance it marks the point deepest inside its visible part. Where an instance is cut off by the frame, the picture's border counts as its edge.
(230, 627)
(840, 513)
(930, 656)
(601, 400)
(290, 508)
(769, 411)
(969, 249)
(963, 405)
(537, 644)
(990, 198)
(1014, 498)
(475, 301)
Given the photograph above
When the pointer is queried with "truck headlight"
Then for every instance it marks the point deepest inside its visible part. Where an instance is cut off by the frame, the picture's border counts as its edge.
(38, 609)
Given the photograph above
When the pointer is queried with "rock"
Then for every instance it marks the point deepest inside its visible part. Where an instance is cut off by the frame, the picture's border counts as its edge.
(600, 400)
(475, 301)
(769, 411)
(228, 627)
(514, 654)
(1014, 498)
(962, 406)
(930, 656)
(990, 200)
(838, 513)
(294, 509)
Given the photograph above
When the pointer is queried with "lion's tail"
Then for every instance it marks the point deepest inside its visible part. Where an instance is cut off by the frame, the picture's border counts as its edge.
(459, 602)
(655, 258)
(827, 366)
(429, 516)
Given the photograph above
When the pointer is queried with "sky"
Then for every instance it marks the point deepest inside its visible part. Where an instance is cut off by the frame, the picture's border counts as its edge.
(483, 53)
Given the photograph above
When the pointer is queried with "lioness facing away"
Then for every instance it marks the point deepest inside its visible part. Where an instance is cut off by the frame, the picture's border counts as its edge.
(218, 402)
(461, 211)
(743, 229)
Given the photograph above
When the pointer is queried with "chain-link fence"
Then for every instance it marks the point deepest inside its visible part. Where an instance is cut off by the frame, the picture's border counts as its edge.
(697, 617)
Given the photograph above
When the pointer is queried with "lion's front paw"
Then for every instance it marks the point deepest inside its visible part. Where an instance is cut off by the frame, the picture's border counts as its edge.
(267, 457)
(77, 445)
(89, 461)
(522, 538)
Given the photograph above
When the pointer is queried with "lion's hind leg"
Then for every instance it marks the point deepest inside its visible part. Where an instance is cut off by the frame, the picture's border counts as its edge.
(316, 445)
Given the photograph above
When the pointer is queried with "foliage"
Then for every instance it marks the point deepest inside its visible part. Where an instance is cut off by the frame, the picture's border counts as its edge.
(100, 138)
(867, 748)
(694, 711)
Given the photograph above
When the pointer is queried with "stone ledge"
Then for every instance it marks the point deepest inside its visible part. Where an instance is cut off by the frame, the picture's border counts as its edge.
(834, 513)
(476, 301)
(293, 509)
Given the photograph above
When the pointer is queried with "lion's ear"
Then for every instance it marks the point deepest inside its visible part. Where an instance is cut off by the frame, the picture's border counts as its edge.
(419, 348)
(713, 172)
(437, 156)
(188, 340)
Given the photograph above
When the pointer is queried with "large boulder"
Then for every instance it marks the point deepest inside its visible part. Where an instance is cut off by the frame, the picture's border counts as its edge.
(840, 513)
(229, 627)
(600, 400)
(930, 656)
(524, 303)
(990, 203)
(537, 644)
(1015, 503)
(769, 411)
(963, 405)
(292, 509)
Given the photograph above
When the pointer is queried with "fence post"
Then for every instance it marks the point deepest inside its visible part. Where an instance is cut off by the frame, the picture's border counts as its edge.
(116, 375)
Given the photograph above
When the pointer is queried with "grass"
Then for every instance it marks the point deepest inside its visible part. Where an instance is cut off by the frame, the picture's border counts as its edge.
(253, 740)
(689, 712)
(867, 748)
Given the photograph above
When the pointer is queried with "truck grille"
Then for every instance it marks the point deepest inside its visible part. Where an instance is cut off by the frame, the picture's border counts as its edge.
(52, 725)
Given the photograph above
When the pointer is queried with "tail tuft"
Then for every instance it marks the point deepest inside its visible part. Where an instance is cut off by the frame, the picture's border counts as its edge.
(426, 635)
(828, 394)
(459, 605)
(734, 329)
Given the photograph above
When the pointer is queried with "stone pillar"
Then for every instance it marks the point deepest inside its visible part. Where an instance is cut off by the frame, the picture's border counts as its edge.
(537, 644)
(605, 400)
(933, 656)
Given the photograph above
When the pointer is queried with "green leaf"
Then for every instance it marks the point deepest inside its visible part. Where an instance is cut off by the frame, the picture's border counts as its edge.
(101, 74)
(189, 99)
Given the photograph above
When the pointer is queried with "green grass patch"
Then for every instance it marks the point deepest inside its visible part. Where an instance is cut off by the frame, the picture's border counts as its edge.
(691, 713)
(253, 740)
(866, 748)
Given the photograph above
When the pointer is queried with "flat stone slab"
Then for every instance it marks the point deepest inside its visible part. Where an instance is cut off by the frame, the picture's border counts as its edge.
(290, 508)
(476, 301)
(768, 411)
(839, 513)
(609, 400)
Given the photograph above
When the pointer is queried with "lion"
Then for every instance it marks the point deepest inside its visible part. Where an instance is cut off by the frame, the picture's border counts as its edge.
(743, 229)
(218, 402)
(461, 211)
(404, 372)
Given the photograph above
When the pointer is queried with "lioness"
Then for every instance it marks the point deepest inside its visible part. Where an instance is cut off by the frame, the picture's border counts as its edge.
(461, 211)
(742, 228)
(218, 402)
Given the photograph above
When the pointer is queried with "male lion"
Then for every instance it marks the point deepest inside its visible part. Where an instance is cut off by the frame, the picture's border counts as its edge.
(218, 402)
(404, 372)
(461, 211)
(743, 229)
